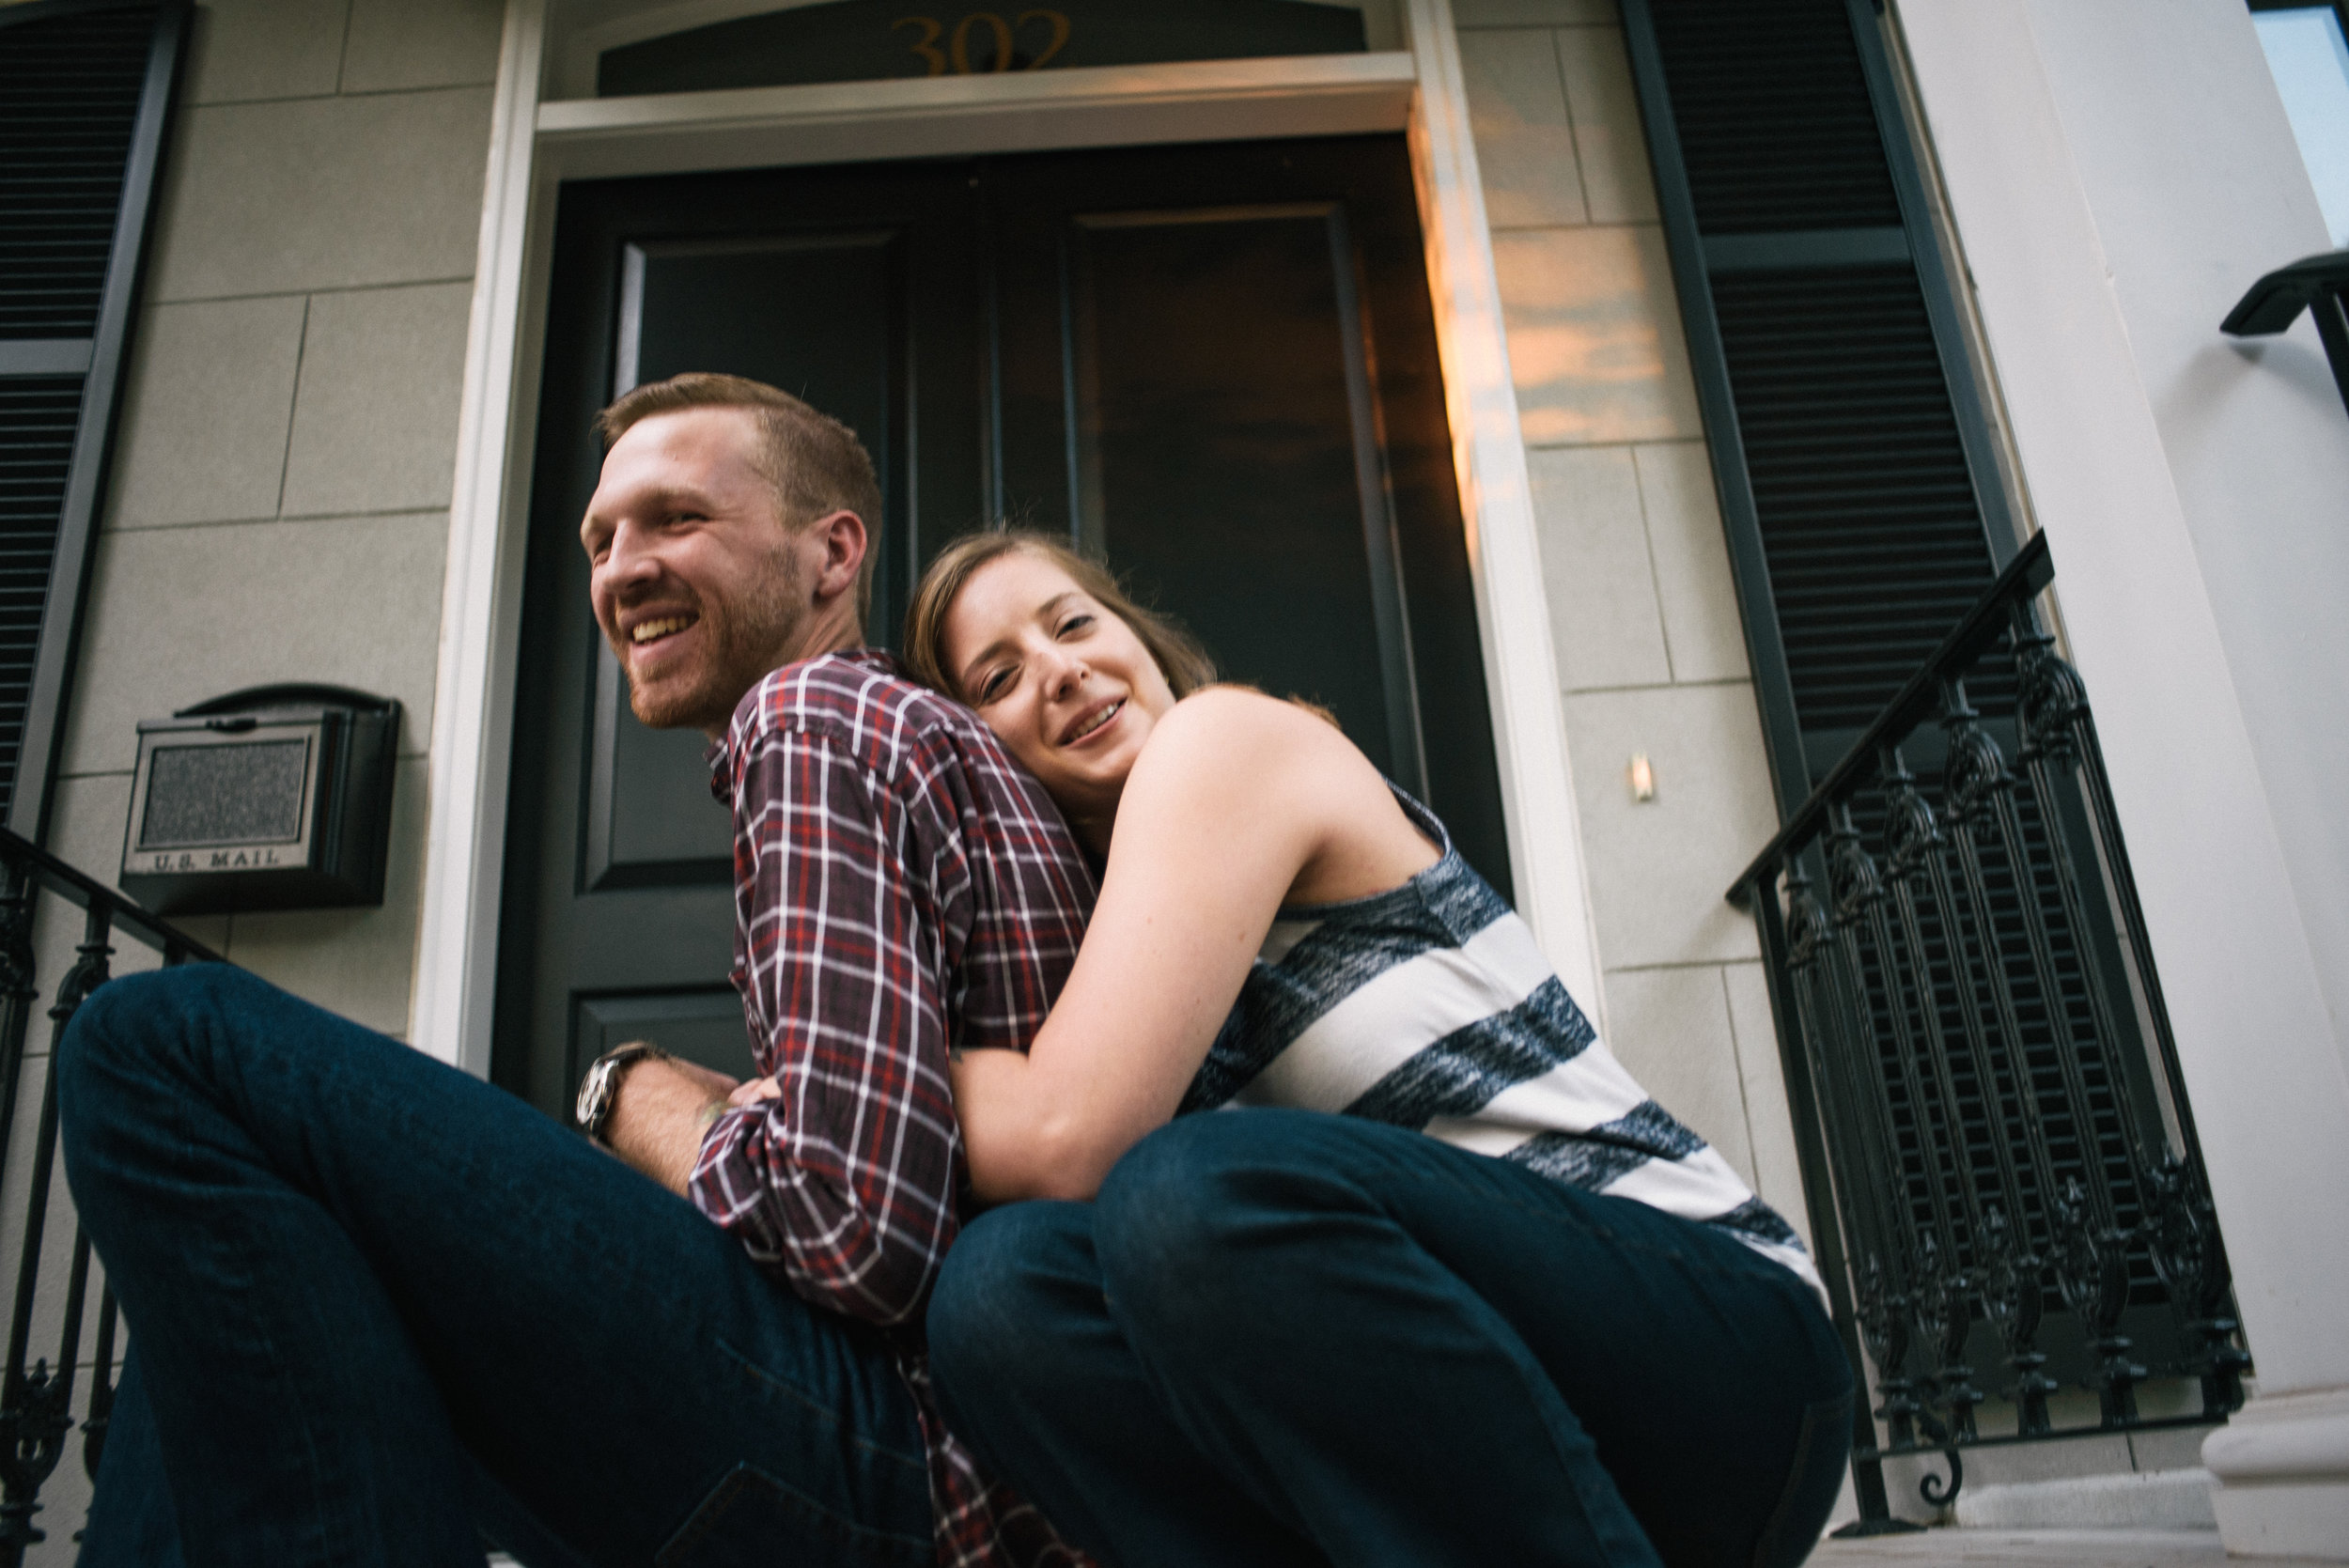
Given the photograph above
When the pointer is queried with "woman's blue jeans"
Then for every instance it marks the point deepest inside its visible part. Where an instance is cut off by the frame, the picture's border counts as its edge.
(376, 1307)
(1282, 1338)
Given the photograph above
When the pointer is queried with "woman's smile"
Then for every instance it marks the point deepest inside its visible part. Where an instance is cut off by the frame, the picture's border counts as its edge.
(1091, 723)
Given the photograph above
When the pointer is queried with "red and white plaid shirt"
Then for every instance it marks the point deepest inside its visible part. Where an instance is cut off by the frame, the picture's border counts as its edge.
(901, 889)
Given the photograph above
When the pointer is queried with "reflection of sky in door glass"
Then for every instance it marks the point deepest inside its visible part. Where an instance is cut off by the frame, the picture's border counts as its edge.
(2306, 51)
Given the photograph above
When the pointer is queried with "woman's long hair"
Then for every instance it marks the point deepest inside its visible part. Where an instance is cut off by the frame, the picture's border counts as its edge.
(1180, 656)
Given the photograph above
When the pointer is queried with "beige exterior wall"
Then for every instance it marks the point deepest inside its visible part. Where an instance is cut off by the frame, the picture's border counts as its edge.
(279, 499)
(1651, 655)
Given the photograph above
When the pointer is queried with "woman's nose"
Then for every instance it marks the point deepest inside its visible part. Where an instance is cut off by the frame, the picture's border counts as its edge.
(1063, 674)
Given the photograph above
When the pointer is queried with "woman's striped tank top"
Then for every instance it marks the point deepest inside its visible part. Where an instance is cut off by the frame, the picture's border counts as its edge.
(1429, 1007)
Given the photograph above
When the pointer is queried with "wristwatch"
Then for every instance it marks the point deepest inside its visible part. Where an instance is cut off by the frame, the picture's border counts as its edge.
(599, 1091)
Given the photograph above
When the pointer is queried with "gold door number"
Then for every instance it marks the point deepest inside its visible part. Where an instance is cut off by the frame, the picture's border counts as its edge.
(956, 54)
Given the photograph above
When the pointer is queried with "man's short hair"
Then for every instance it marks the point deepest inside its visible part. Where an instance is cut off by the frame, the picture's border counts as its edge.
(816, 463)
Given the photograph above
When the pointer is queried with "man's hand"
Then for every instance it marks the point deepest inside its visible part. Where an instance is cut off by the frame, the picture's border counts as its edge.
(756, 1090)
(663, 1108)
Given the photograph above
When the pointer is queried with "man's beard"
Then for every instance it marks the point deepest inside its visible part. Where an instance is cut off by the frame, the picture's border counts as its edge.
(758, 632)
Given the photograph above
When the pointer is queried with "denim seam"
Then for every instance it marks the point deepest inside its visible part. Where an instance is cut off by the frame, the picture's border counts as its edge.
(768, 1379)
(722, 1498)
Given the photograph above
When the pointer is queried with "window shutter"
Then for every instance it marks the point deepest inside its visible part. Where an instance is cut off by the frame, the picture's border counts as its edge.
(1858, 479)
(1864, 510)
(85, 90)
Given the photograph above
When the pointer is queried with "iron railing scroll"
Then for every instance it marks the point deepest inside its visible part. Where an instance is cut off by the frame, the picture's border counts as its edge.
(47, 1352)
(2004, 1184)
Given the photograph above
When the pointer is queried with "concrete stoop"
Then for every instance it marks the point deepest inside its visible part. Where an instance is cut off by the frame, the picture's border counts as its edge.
(2143, 1501)
(1956, 1548)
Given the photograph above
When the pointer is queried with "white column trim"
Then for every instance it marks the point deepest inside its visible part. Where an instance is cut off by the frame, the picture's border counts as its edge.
(1497, 503)
(481, 592)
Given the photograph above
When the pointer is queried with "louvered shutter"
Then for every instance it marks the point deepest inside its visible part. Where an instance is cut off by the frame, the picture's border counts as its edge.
(85, 94)
(1860, 494)
(1857, 480)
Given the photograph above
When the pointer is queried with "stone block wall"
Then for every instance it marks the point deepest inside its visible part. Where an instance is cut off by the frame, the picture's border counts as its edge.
(278, 505)
(1650, 647)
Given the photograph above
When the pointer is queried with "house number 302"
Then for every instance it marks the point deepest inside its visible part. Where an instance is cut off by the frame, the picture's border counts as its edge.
(956, 54)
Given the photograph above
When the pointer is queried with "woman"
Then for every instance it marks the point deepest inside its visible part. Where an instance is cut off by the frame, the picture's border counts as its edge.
(1505, 1310)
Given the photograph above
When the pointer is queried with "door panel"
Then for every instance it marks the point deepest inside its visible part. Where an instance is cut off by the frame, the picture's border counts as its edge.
(1214, 364)
(703, 1026)
(1256, 443)
(738, 305)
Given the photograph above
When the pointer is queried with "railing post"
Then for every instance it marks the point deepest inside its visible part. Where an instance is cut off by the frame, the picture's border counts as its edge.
(2013, 1268)
(1805, 1088)
(36, 1403)
(1912, 843)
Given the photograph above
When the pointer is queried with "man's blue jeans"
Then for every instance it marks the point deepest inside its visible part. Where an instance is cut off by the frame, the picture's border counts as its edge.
(375, 1303)
(1281, 1338)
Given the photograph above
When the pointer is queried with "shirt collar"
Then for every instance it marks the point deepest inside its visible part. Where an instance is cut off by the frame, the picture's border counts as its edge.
(720, 757)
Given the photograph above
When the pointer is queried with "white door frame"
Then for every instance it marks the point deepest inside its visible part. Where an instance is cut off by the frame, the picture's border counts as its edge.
(535, 144)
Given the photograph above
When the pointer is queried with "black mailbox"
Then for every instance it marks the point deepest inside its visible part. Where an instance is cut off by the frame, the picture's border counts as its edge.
(274, 798)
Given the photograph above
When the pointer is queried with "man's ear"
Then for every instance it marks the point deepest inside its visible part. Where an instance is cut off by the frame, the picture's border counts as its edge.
(844, 541)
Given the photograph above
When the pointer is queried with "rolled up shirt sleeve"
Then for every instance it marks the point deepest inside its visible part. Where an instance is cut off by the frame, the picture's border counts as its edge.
(852, 900)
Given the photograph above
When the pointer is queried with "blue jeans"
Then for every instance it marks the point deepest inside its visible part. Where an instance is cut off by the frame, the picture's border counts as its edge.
(1282, 1338)
(378, 1307)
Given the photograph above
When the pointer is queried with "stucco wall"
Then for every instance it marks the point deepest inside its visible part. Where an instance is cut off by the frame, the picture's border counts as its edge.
(1651, 656)
(279, 501)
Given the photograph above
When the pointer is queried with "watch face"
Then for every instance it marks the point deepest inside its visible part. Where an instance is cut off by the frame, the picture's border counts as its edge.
(592, 1093)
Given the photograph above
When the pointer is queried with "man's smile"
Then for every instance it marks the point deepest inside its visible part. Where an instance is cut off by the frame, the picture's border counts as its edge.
(649, 631)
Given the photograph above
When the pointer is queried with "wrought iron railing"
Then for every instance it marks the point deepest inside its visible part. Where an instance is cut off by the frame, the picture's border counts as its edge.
(2003, 1182)
(52, 1347)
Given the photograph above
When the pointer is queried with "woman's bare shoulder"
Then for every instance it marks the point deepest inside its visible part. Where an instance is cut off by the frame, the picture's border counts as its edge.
(1243, 723)
(1236, 737)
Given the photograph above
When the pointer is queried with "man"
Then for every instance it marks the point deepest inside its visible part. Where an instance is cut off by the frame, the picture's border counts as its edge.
(373, 1300)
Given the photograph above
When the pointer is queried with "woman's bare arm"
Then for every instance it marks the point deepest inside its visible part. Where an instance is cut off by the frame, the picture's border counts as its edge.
(1234, 796)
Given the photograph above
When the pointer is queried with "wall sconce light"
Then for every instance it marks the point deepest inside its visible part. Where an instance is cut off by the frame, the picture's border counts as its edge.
(1642, 778)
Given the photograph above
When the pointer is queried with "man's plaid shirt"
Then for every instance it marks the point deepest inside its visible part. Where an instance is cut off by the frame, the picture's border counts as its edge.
(901, 889)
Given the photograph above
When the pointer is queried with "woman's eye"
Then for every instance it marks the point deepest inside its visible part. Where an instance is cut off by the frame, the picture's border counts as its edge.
(991, 685)
(1075, 624)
